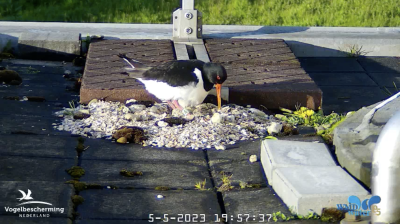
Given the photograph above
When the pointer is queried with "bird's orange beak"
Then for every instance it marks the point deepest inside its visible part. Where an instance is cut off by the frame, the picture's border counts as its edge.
(218, 87)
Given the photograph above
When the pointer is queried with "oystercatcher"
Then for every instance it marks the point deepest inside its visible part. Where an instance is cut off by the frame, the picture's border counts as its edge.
(180, 83)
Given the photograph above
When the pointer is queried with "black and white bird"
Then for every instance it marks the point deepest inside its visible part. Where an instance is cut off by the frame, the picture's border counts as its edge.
(180, 83)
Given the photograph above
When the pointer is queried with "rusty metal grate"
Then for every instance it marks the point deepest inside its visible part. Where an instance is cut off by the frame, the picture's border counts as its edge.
(264, 72)
(260, 72)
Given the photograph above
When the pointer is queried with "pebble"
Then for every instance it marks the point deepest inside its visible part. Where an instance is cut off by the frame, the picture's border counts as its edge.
(253, 158)
(220, 147)
(129, 116)
(137, 108)
(274, 128)
(94, 101)
(122, 140)
(257, 112)
(160, 196)
(234, 123)
(162, 124)
(84, 111)
(216, 118)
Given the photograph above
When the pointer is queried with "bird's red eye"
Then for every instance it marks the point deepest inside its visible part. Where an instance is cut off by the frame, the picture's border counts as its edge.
(218, 78)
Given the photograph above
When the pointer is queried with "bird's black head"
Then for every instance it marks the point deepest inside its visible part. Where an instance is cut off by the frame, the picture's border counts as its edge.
(214, 73)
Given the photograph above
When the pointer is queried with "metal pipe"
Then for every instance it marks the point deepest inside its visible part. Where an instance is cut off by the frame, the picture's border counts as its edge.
(386, 172)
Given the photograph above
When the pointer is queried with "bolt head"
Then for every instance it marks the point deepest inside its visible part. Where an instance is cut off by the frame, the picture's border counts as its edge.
(188, 15)
(189, 30)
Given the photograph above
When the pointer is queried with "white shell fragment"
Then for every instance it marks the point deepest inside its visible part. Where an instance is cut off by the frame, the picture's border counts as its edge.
(216, 118)
(274, 128)
(253, 158)
(207, 127)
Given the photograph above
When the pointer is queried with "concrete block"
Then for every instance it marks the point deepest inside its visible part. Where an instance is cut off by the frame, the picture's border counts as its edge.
(49, 45)
(281, 153)
(310, 189)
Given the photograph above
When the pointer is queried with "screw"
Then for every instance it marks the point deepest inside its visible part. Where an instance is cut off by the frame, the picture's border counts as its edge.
(199, 29)
(188, 15)
(189, 30)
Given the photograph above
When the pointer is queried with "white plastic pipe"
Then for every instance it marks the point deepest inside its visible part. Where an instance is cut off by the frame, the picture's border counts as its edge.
(386, 172)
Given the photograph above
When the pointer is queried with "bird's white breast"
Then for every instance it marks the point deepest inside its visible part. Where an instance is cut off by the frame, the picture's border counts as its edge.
(188, 95)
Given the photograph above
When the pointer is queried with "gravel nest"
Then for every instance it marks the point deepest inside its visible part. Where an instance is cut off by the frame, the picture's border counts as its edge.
(206, 128)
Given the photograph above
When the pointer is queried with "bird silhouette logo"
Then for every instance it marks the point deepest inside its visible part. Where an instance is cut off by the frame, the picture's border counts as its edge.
(25, 196)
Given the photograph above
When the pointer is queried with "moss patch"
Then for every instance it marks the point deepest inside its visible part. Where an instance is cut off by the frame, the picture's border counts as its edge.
(77, 200)
(76, 171)
(162, 188)
(10, 77)
(127, 173)
(80, 186)
(174, 121)
(132, 134)
(331, 215)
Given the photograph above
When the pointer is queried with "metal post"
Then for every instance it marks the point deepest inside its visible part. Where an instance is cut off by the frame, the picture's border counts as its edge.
(386, 172)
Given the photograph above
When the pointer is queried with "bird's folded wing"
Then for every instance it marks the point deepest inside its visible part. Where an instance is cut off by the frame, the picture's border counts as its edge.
(135, 68)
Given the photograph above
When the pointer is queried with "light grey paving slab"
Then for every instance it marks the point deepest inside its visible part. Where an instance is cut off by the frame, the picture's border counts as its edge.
(21, 220)
(308, 189)
(38, 145)
(173, 174)
(387, 79)
(281, 153)
(342, 79)
(57, 194)
(107, 150)
(345, 99)
(19, 168)
(380, 64)
(330, 64)
(139, 204)
(303, 138)
(241, 171)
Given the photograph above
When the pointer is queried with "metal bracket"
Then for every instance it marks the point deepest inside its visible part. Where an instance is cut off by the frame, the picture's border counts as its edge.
(187, 23)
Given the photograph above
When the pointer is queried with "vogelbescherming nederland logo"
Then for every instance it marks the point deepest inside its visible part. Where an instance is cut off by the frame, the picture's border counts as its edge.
(32, 212)
(364, 208)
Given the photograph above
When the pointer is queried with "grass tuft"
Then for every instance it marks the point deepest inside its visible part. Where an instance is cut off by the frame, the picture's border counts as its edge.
(346, 13)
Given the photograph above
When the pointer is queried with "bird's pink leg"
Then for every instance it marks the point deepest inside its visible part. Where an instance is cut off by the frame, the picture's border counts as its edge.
(184, 111)
(171, 104)
(176, 103)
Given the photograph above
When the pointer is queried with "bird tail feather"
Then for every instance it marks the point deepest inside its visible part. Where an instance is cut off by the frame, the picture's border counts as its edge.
(136, 68)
